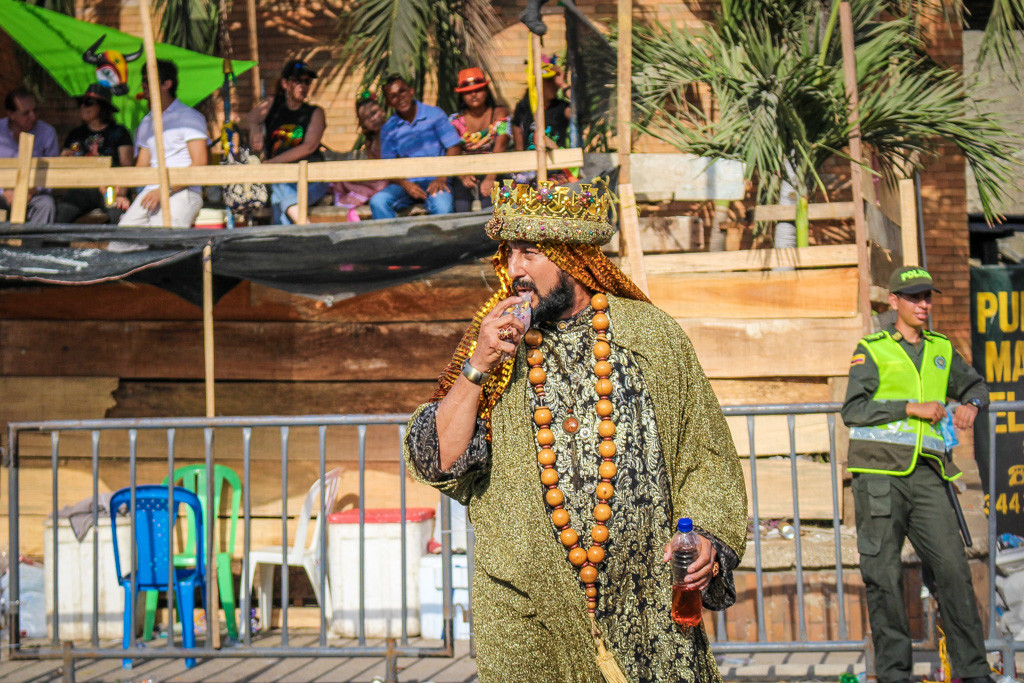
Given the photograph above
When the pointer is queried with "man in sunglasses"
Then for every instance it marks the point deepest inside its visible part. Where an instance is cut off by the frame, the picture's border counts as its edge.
(900, 381)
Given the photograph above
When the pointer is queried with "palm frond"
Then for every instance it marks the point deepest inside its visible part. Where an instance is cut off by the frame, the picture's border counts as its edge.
(191, 24)
(1002, 36)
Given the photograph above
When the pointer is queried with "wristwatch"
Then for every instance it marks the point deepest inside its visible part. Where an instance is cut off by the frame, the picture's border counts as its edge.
(472, 374)
(976, 402)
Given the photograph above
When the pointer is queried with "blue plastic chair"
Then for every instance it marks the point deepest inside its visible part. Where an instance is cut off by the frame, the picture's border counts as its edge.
(151, 544)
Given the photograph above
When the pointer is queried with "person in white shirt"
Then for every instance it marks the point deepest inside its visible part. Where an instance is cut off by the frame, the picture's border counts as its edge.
(185, 142)
(22, 118)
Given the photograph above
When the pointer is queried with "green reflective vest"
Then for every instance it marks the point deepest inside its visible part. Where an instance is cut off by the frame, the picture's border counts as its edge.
(899, 380)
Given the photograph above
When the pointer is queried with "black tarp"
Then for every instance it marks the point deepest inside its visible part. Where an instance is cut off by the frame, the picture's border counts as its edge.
(326, 261)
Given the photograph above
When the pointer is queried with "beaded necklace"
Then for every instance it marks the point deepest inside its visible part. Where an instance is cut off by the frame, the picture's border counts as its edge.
(587, 560)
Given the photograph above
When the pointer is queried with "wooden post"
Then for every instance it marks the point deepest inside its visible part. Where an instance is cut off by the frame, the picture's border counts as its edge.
(208, 328)
(156, 109)
(856, 156)
(254, 53)
(908, 220)
(629, 220)
(539, 125)
(19, 203)
(303, 192)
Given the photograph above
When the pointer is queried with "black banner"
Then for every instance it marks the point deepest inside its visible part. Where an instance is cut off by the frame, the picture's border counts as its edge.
(997, 343)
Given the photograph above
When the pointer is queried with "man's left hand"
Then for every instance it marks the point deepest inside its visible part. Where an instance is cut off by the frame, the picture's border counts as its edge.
(151, 200)
(437, 185)
(701, 570)
(963, 417)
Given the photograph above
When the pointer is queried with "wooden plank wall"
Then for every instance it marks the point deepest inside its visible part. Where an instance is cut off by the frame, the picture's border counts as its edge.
(769, 327)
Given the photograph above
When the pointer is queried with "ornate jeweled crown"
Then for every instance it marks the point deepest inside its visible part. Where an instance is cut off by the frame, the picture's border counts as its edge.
(549, 214)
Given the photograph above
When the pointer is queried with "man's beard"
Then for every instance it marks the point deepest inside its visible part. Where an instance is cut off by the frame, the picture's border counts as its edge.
(556, 303)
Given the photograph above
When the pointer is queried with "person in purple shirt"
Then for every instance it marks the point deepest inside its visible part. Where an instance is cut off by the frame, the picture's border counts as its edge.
(22, 118)
(414, 130)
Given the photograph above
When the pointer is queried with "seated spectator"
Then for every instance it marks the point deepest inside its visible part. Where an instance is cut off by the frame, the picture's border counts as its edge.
(185, 143)
(415, 130)
(99, 135)
(288, 129)
(557, 118)
(352, 194)
(21, 118)
(483, 125)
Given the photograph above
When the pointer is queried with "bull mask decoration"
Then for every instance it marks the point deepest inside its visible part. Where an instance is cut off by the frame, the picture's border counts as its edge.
(111, 66)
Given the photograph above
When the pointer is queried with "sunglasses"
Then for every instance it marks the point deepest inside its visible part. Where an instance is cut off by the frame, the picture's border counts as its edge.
(301, 81)
(916, 298)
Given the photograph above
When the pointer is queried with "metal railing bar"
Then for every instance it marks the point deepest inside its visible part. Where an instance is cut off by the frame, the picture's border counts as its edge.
(447, 602)
(401, 513)
(762, 630)
(55, 528)
(14, 571)
(992, 632)
(801, 615)
(133, 437)
(361, 626)
(284, 543)
(231, 652)
(170, 537)
(210, 514)
(95, 442)
(836, 520)
(322, 579)
(245, 600)
(199, 423)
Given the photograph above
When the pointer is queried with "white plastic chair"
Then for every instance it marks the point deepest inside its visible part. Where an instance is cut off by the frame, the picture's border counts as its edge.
(300, 554)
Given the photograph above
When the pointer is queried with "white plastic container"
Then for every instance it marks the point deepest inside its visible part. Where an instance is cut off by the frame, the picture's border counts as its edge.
(382, 574)
(432, 597)
(74, 588)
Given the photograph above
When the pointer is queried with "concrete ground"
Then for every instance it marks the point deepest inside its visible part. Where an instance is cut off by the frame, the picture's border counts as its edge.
(799, 666)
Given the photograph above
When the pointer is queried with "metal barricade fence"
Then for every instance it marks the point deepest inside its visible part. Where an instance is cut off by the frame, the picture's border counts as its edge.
(400, 646)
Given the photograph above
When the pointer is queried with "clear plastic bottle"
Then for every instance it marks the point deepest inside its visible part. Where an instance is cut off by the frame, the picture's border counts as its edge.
(686, 602)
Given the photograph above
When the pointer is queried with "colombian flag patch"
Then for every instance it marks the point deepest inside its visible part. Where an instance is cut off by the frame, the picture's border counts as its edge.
(858, 359)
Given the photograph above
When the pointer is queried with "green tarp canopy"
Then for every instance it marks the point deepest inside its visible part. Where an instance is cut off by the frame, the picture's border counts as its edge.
(61, 43)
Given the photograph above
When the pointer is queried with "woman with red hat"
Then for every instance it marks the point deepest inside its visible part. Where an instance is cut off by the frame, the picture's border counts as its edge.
(483, 125)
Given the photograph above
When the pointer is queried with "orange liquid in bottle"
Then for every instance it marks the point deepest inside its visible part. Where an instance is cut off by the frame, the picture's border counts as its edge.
(686, 606)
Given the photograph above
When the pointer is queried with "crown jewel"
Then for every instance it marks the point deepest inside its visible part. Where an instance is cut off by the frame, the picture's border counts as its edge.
(550, 213)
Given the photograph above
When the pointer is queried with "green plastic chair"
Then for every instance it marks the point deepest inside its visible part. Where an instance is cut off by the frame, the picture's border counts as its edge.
(193, 478)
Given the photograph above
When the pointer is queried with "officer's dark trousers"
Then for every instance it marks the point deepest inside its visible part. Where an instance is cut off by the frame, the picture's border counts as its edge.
(916, 506)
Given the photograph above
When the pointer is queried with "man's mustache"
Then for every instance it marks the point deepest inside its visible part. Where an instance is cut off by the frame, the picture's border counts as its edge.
(520, 283)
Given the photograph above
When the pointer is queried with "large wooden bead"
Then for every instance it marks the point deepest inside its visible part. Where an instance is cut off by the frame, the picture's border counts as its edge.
(606, 429)
(546, 457)
(591, 605)
(602, 512)
(604, 407)
(602, 349)
(560, 517)
(554, 497)
(577, 556)
(549, 477)
(568, 537)
(599, 301)
(533, 337)
(599, 321)
(588, 574)
(599, 533)
(591, 591)
(603, 386)
(604, 491)
(607, 469)
(542, 416)
(537, 376)
(602, 368)
(545, 437)
(595, 554)
(607, 449)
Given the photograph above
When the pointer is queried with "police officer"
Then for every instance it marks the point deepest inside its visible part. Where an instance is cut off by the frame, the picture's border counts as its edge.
(900, 380)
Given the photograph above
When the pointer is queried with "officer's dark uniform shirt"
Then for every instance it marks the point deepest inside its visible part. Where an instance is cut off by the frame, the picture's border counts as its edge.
(861, 410)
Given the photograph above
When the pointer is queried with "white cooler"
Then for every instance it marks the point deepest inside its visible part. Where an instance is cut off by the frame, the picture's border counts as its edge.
(382, 573)
(74, 586)
(432, 597)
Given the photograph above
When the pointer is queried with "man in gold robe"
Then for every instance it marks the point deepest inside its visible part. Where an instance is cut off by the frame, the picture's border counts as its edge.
(577, 444)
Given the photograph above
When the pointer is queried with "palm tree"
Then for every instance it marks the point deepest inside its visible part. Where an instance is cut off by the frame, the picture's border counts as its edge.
(191, 24)
(417, 38)
(774, 72)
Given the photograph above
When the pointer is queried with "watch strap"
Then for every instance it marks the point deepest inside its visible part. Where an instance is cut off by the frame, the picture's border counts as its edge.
(472, 374)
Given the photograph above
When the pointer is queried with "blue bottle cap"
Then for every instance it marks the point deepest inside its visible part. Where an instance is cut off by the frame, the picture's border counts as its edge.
(685, 525)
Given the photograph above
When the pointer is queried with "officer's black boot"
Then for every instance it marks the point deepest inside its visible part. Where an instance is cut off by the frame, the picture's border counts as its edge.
(531, 17)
